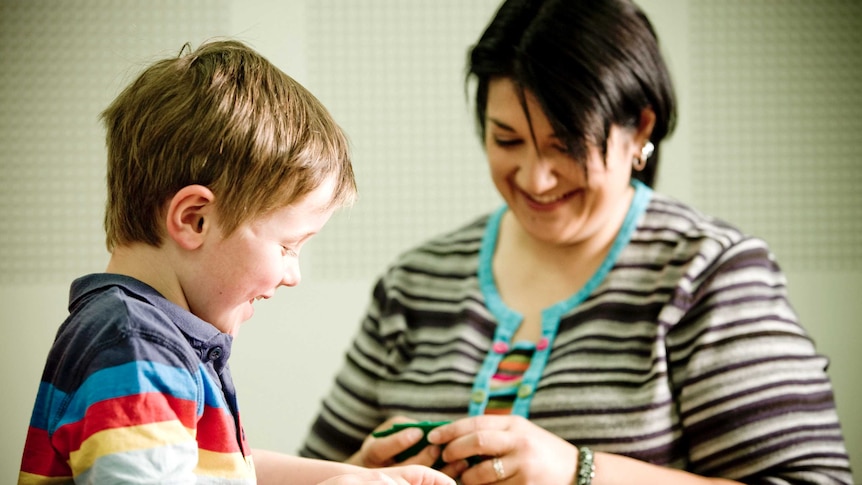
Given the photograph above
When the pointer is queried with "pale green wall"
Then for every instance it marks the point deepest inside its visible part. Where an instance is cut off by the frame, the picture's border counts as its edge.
(390, 71)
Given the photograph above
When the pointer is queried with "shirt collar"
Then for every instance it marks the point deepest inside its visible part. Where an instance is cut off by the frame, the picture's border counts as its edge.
(210, 343)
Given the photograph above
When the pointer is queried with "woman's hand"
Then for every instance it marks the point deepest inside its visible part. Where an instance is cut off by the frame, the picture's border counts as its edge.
(515, 451)
(380, 452)
(402, 475)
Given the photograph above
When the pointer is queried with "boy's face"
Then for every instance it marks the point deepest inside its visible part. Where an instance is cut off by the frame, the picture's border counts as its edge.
(254, 261)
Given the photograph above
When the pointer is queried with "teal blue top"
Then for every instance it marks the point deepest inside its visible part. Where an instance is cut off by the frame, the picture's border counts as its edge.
(509, 320)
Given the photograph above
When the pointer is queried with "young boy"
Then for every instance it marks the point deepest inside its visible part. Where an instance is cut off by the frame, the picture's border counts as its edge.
(220, 169)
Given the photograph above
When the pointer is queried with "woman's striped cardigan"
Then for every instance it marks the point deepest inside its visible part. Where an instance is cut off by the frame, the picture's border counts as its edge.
(687, 354)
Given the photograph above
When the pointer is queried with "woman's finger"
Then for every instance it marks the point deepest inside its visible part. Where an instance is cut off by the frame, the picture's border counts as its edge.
(448, 432)
(382, 451)
(479, 445)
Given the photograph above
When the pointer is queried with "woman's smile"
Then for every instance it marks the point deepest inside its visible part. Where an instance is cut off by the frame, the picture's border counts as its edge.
(548, 202)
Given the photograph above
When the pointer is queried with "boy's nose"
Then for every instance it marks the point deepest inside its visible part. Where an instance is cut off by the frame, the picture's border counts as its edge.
(292, 275)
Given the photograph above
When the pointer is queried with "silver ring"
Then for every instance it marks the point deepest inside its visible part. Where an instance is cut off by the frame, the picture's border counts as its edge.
(498, 468)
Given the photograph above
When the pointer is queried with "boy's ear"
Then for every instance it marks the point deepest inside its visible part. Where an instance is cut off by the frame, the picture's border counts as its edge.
(189, 216)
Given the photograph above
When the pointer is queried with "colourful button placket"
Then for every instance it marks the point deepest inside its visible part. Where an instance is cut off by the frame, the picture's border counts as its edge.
(509, 321)
(502, 342)
(530, 382)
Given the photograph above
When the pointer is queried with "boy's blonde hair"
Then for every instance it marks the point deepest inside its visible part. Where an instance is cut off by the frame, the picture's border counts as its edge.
(224, 117)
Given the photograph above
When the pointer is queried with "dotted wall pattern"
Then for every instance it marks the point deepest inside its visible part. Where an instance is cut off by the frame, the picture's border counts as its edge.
(63, 63)
(392, 74)
(776, 124)
(773, 88)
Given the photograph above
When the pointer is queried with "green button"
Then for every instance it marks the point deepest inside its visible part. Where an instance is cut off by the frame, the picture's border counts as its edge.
(478, 396)
(525, 390)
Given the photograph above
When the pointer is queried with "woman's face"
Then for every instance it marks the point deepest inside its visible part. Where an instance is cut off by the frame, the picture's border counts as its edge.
(545, 188)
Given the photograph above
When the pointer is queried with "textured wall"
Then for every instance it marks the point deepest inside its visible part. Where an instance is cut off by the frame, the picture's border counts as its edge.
(769, 124)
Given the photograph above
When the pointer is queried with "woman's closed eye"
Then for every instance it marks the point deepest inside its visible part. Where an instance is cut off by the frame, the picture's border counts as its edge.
(561, 148)
(507, 142)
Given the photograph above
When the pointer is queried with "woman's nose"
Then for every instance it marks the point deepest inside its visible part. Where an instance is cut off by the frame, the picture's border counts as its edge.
(537, 174)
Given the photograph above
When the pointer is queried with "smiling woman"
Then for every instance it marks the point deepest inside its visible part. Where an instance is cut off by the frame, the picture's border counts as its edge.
(591, 329)
(561, 199)
(560, 209)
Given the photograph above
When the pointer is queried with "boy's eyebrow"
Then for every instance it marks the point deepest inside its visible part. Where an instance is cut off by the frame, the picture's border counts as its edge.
(304, 237)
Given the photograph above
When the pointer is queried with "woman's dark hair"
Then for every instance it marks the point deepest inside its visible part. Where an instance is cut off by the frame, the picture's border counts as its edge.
(589, 63)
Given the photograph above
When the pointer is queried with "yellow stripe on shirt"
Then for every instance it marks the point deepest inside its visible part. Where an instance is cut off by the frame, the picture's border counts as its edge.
(25, 478)
(130, 438)
(224, 465)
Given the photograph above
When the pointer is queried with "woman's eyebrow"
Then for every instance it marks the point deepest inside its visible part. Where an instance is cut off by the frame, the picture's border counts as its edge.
(500, 124)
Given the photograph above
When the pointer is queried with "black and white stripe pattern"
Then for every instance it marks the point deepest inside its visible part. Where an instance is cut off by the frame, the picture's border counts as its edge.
(687, 355)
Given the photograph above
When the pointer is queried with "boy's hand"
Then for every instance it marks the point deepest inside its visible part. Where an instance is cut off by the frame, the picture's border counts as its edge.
(401, 475)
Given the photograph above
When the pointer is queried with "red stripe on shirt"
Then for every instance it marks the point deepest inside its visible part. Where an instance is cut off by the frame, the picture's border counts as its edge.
(40, 458)
(217, 431)
(123, 412)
